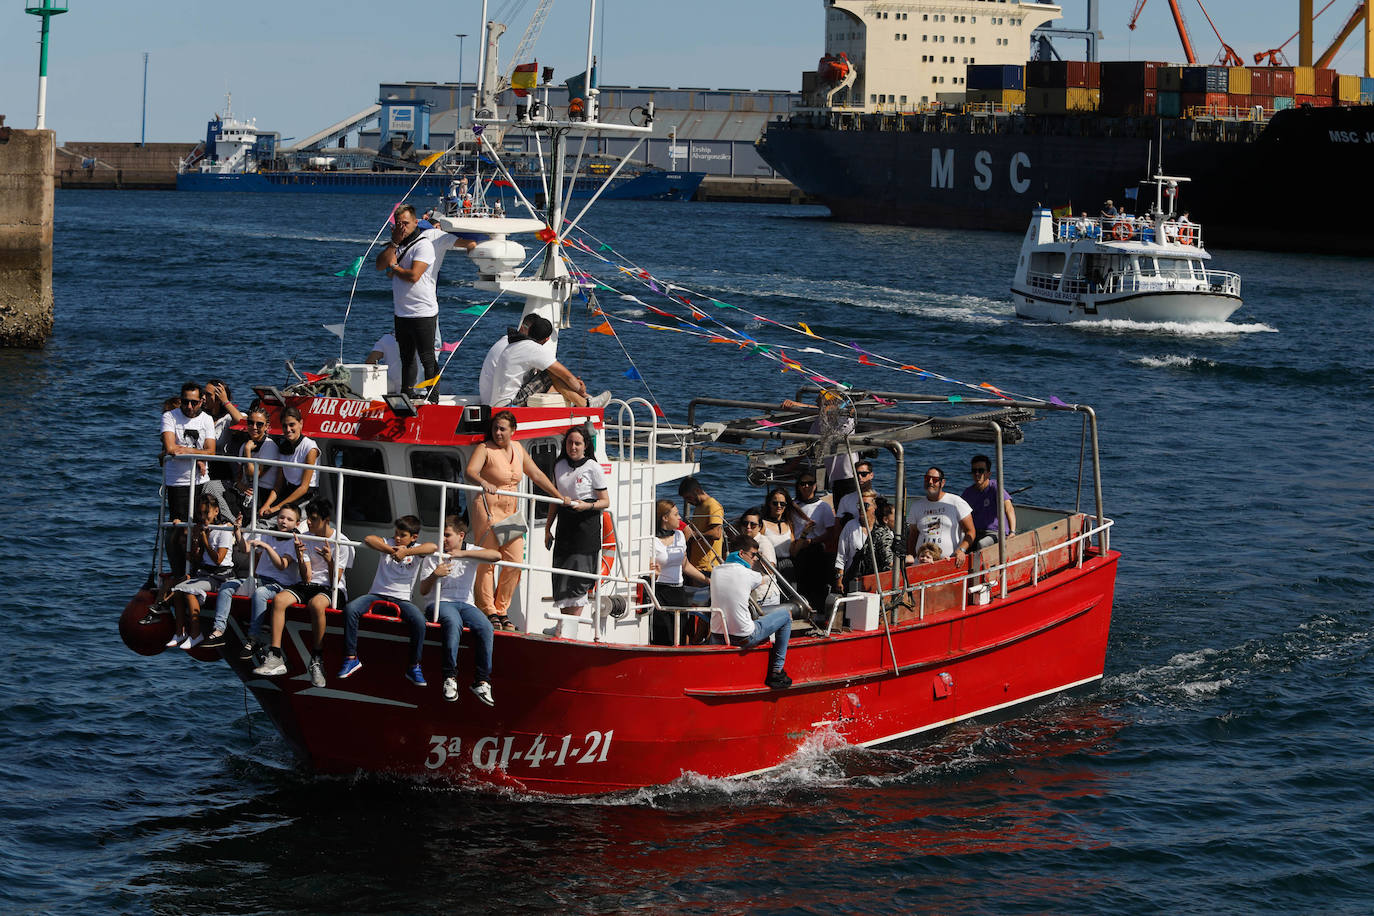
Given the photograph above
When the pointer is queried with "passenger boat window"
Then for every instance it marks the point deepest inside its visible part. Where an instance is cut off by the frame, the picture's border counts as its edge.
(545, 455)
(431, 465)
(366, 499)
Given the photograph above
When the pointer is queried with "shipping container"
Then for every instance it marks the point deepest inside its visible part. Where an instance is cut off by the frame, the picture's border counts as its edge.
(1170, 104)
(1129, 104)
(1325, 81)
(1130, 75)
(1206, 103)
(1005, 99)
(1366, 89)
(1304, 81)
(1261, 81)
(1280, 102)
(1169, 79)
(1062, 101)
(1062, 74)
(1238, 80)
(1315, 101)
(1348, 88)
(1285, 81)
(994, 76)
(1205, 79)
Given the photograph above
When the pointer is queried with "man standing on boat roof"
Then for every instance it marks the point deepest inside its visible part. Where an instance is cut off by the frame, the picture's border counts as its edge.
(941, 518)
(409, 260)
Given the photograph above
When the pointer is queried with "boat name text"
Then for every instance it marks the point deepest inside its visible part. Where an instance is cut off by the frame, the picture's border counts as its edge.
(1351, 136)
(494, 752)
(342, 415)
(942, 173)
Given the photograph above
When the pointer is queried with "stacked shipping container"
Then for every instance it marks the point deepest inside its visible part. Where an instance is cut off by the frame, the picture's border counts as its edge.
(1145, 88)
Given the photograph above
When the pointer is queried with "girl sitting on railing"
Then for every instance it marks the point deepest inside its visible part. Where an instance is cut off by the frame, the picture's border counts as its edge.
(214, 565)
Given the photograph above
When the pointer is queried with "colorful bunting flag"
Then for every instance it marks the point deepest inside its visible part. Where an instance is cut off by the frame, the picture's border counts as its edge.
(603, 328)
(633, 373)
(336, 329)
(658, 411)
(449, 347)
(428, 383)
(352, 269)
(474, 310)
(805, 329)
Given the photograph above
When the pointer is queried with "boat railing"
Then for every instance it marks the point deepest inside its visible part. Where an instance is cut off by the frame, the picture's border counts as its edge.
(337, 477)
(925, 598)
(1127, 229)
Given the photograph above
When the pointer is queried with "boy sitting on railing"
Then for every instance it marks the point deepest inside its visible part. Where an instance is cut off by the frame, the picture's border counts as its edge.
(322, 568)
(454, 573)
(393, 581)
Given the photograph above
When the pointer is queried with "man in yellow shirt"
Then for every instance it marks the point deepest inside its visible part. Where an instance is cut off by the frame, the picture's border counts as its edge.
(705, 525)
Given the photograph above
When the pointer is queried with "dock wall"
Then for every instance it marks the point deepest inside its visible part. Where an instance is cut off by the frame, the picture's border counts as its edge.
(26, 218)
(124, 166)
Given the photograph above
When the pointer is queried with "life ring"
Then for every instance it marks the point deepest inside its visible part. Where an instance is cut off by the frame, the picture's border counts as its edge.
(608, 546)
(1121, 230)
(1185, 234)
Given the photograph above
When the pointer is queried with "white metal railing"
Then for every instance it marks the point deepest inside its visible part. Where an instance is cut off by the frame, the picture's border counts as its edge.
(1127, 229)
(1214, 281)
(342, 474)
(986, 574)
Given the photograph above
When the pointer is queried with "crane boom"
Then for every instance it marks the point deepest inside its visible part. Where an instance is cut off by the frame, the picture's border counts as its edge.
(1178, 22)
(1355, 19)
(527, 41)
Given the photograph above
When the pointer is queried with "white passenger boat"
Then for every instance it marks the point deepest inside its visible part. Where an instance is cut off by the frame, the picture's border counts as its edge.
(1148, 269)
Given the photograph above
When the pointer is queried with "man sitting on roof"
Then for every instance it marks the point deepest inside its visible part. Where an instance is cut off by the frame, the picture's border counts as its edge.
(528, 367)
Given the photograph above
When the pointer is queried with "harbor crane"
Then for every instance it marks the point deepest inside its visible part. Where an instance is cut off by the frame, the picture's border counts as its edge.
(1227, 55)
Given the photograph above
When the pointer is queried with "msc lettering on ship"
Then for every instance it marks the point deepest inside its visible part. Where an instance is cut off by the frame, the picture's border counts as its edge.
(1351, 136)
(942, 170)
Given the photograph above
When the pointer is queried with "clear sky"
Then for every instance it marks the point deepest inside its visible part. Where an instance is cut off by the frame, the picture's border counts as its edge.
(299, 65)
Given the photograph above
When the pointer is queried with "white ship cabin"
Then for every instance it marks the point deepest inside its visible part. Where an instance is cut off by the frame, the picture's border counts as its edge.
(381, 459)
(904, 56)
(1074, 256)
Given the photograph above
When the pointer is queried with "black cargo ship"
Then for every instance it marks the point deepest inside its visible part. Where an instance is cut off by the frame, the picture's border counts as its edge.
(1301, 181)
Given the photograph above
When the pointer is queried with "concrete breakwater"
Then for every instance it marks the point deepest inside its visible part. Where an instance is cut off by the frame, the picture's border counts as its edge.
(26, 215)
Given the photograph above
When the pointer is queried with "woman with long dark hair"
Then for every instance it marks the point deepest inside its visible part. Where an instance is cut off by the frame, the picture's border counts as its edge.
(574, 530)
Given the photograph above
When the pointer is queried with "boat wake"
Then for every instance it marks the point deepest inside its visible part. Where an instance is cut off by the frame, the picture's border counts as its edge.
(1174, 362)
(1173, 328)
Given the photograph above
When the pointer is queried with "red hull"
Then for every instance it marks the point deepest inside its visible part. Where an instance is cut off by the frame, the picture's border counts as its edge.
(578, 718)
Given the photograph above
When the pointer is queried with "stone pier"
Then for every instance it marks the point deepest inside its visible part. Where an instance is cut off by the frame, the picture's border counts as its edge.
(26, 217)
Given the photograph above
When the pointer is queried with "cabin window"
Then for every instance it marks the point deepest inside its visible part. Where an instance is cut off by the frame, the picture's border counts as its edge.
(366, 500)
(545, 455)
(432, 465)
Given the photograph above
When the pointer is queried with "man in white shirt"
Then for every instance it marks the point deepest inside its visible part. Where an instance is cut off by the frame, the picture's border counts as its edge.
(409, 259)
(854, 542)
(387, 352)
(940, 518)
(489, 361)
(527, 366)
(186, 430)
(732, 581)
(847, 509)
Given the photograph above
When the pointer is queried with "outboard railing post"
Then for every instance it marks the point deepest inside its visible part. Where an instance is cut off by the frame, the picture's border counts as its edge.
(338, 526)
(1002, 520)
(1103, 542)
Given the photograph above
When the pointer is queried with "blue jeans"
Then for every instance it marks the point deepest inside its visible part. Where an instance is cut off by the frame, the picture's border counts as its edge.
(356, 608)
(453, 616)
(778, 625)
(262, 595)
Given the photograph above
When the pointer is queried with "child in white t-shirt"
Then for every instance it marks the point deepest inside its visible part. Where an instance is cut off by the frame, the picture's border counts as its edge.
(393, 581)
(214, 564)
(449, 578)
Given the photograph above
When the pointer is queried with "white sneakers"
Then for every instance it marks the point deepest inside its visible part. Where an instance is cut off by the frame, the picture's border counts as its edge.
(601, 400)
(483, 692)
(451, 689)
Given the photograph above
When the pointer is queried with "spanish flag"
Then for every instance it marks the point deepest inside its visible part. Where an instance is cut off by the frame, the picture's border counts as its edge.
(525, 78)
(1063, 212)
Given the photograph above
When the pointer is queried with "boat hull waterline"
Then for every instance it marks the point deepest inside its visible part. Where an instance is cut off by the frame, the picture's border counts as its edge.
(588, 718)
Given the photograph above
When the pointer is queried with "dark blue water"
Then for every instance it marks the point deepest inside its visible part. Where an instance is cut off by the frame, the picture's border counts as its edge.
(1224, 765)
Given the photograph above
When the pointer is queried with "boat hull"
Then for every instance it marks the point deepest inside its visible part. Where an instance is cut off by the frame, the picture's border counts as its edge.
(1162, 306)
(1299, 186)
(584, 718)
(645, 186)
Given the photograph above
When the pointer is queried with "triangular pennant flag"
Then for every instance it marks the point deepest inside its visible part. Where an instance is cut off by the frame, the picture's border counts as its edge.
(658, 411)
(352, 269)
(658, 311)
(603, 328)
(720, 340)
(865, 361)
(605, 247)
(316, 376)
(449, 347)
(336, 329)
(633, 373)
(698, 316)
(1058, 403)
(955, 398)
(428, 383)
(808, 331)
(474, 310)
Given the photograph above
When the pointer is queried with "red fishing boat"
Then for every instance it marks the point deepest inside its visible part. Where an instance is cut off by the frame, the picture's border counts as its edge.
(600, 709)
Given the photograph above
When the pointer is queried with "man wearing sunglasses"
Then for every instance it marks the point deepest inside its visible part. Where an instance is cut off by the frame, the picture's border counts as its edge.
(811, 557)
(186, 431)
(847, 509)
(982, 499)
(940, 518)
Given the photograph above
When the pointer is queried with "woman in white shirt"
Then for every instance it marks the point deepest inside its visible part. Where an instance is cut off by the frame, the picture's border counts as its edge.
(671, 570)
(783, 522)
(574, 531)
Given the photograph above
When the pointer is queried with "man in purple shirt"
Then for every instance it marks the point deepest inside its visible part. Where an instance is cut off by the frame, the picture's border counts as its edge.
(982, 498)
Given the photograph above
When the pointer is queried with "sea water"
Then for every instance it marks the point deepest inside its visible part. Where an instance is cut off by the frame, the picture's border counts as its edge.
(1222, 766)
